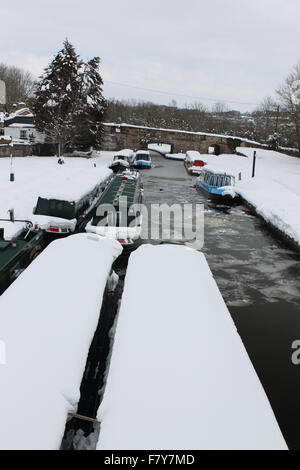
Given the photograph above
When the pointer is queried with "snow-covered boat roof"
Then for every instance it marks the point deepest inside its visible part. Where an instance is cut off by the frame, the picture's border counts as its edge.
(43, 177)
(47, 328)
(193, 155)
(125, 152)
(180, 377)
(12, 229)
(142, 152)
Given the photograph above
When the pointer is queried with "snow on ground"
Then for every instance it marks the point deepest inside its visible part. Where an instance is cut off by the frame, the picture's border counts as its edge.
(161, 148)
(275, 189)
(48, 317)
(43, 176)
(230, 163)
(180, 377)
(175, 156)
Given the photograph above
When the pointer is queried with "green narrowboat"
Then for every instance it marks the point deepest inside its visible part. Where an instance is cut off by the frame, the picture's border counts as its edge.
(117, 213)
(18, 253)
(65, 211)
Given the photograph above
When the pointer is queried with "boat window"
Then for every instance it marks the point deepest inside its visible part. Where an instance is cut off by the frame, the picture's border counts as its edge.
(142, 156)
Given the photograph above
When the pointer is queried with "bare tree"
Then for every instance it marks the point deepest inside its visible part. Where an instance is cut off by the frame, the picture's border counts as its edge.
(266, 117)
(290, 105)
(219, 107)
(19, 84)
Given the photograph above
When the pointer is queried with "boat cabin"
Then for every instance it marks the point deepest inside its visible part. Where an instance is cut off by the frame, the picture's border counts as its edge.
(69, 215)
(212, 179)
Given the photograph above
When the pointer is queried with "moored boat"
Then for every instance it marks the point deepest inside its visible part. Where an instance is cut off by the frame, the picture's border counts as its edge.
(61, 217)
(18, 252)
(122, 160)
(142, 159)
(117, 213)
(193, 162)
(218, 184)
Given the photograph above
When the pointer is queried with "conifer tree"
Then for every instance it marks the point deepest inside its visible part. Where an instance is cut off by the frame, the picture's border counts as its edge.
(93, 105)
(68, 104)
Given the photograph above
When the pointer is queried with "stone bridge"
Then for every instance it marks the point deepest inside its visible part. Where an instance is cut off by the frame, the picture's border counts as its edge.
(118, 136)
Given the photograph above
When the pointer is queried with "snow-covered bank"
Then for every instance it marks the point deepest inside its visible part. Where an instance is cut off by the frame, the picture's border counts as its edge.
(43, 176)
(48, 317)
(175, 156)
(180, 377)
(274, 192)
(161, 148)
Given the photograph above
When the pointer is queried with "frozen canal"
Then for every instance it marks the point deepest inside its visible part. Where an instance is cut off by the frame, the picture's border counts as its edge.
(258, 277)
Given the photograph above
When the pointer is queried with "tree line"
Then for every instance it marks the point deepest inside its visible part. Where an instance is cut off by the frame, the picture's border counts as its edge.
(69, 107)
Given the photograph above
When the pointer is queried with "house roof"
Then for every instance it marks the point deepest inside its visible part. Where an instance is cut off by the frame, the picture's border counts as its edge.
(23, 117)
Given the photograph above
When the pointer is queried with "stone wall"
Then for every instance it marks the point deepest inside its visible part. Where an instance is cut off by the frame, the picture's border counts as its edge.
(16, 150)
(116, 137)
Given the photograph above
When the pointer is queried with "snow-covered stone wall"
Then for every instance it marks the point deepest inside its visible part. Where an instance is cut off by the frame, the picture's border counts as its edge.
(118, 136)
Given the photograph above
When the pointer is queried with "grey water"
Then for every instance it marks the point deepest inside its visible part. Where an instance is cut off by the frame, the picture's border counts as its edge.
(258, 276)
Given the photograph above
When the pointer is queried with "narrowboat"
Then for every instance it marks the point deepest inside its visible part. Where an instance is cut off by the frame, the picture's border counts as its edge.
(142, 159)
(122, 160)
(59, 217)
(217, 184)
(117, 213)
(18, 252)
(193, 162)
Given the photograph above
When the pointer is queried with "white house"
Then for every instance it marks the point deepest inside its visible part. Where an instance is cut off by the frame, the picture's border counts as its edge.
(19, 125)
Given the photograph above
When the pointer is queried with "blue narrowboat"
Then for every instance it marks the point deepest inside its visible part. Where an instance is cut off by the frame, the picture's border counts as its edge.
(142, 159)
(217, 184)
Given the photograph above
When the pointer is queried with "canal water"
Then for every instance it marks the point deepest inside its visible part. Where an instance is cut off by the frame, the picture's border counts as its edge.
(258, 276)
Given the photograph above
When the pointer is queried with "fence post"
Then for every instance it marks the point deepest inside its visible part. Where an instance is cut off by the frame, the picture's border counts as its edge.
(254, 162)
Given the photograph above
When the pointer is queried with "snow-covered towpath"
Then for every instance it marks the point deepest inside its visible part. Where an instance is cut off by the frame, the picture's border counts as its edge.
(275, 190)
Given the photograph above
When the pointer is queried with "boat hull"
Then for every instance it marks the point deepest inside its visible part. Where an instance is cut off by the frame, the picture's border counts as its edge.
(192, 170)
(116, 167)
(216, 194)
(142, 165)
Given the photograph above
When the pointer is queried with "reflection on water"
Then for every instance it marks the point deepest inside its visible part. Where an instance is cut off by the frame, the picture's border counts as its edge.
(258, 277)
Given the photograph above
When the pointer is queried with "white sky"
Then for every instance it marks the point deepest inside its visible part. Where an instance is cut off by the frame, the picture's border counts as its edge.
(233, 50)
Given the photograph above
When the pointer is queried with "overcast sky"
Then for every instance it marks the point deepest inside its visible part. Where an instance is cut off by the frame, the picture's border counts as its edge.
(237, 51)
